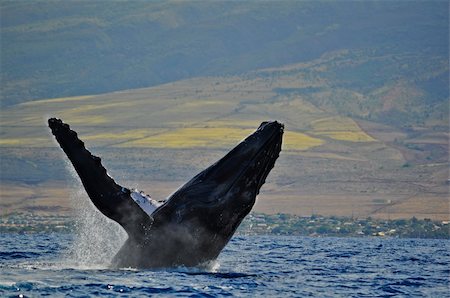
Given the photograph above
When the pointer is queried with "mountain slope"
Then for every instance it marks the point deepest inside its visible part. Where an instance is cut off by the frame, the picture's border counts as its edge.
(361, 86)
(66, 48)
(155, 138)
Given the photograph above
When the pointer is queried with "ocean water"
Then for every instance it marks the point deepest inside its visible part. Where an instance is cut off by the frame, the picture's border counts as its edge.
(55, 265)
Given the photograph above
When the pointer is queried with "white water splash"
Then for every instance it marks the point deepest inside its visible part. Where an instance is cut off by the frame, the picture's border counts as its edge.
(97, 239)
(209, 267)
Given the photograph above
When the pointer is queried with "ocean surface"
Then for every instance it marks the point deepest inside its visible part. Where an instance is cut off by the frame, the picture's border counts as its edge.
(55, 265)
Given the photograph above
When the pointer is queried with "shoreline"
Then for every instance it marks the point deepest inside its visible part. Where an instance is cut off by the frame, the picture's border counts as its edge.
(265, 224)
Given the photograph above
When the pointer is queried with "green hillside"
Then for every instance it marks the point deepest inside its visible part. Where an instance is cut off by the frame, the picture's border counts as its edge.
(68, 48)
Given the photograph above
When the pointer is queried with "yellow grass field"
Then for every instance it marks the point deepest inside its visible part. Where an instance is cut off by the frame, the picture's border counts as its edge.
(120, 136)
(340, 128)
(23, 142)
(299, 141)
(350, 136)
(330, 164)
(57, 100)
(216, 137)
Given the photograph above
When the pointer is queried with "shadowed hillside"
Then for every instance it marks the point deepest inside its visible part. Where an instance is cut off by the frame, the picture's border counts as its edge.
(68, 48)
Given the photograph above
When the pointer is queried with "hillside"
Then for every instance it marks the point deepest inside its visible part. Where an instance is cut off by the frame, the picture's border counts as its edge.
(55, 49)
(160, 90)
(334, 161)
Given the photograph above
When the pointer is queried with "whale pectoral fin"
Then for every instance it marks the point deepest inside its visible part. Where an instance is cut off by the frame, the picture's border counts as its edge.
(110, 198)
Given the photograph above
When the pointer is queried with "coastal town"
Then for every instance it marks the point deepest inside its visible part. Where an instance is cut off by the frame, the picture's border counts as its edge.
(263, 224)
(321, 226)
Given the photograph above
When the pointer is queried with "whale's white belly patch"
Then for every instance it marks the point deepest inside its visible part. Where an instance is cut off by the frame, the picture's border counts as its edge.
(145, 202)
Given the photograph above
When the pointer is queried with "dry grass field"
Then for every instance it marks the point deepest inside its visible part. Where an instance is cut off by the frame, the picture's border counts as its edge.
(48, 198)
(157, 138)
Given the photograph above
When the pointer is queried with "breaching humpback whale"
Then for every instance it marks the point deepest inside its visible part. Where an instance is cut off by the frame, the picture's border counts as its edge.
(195, 223)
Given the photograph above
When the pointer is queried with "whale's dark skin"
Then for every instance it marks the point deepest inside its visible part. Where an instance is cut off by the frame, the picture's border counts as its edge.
(197, 221)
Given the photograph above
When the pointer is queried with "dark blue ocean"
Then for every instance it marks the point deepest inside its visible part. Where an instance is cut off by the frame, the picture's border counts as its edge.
(35, 265)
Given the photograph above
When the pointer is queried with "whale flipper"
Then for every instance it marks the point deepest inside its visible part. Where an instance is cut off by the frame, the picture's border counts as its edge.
(110, 198)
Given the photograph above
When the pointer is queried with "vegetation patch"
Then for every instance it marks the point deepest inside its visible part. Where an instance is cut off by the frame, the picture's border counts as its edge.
(299, 141)
(233, 123)
(56, 100)
(340, 128)
(120, 136)
(216, 137)
(23, 142)
(350, 136)
(211, 137)
(317, 225)
(83, 119)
